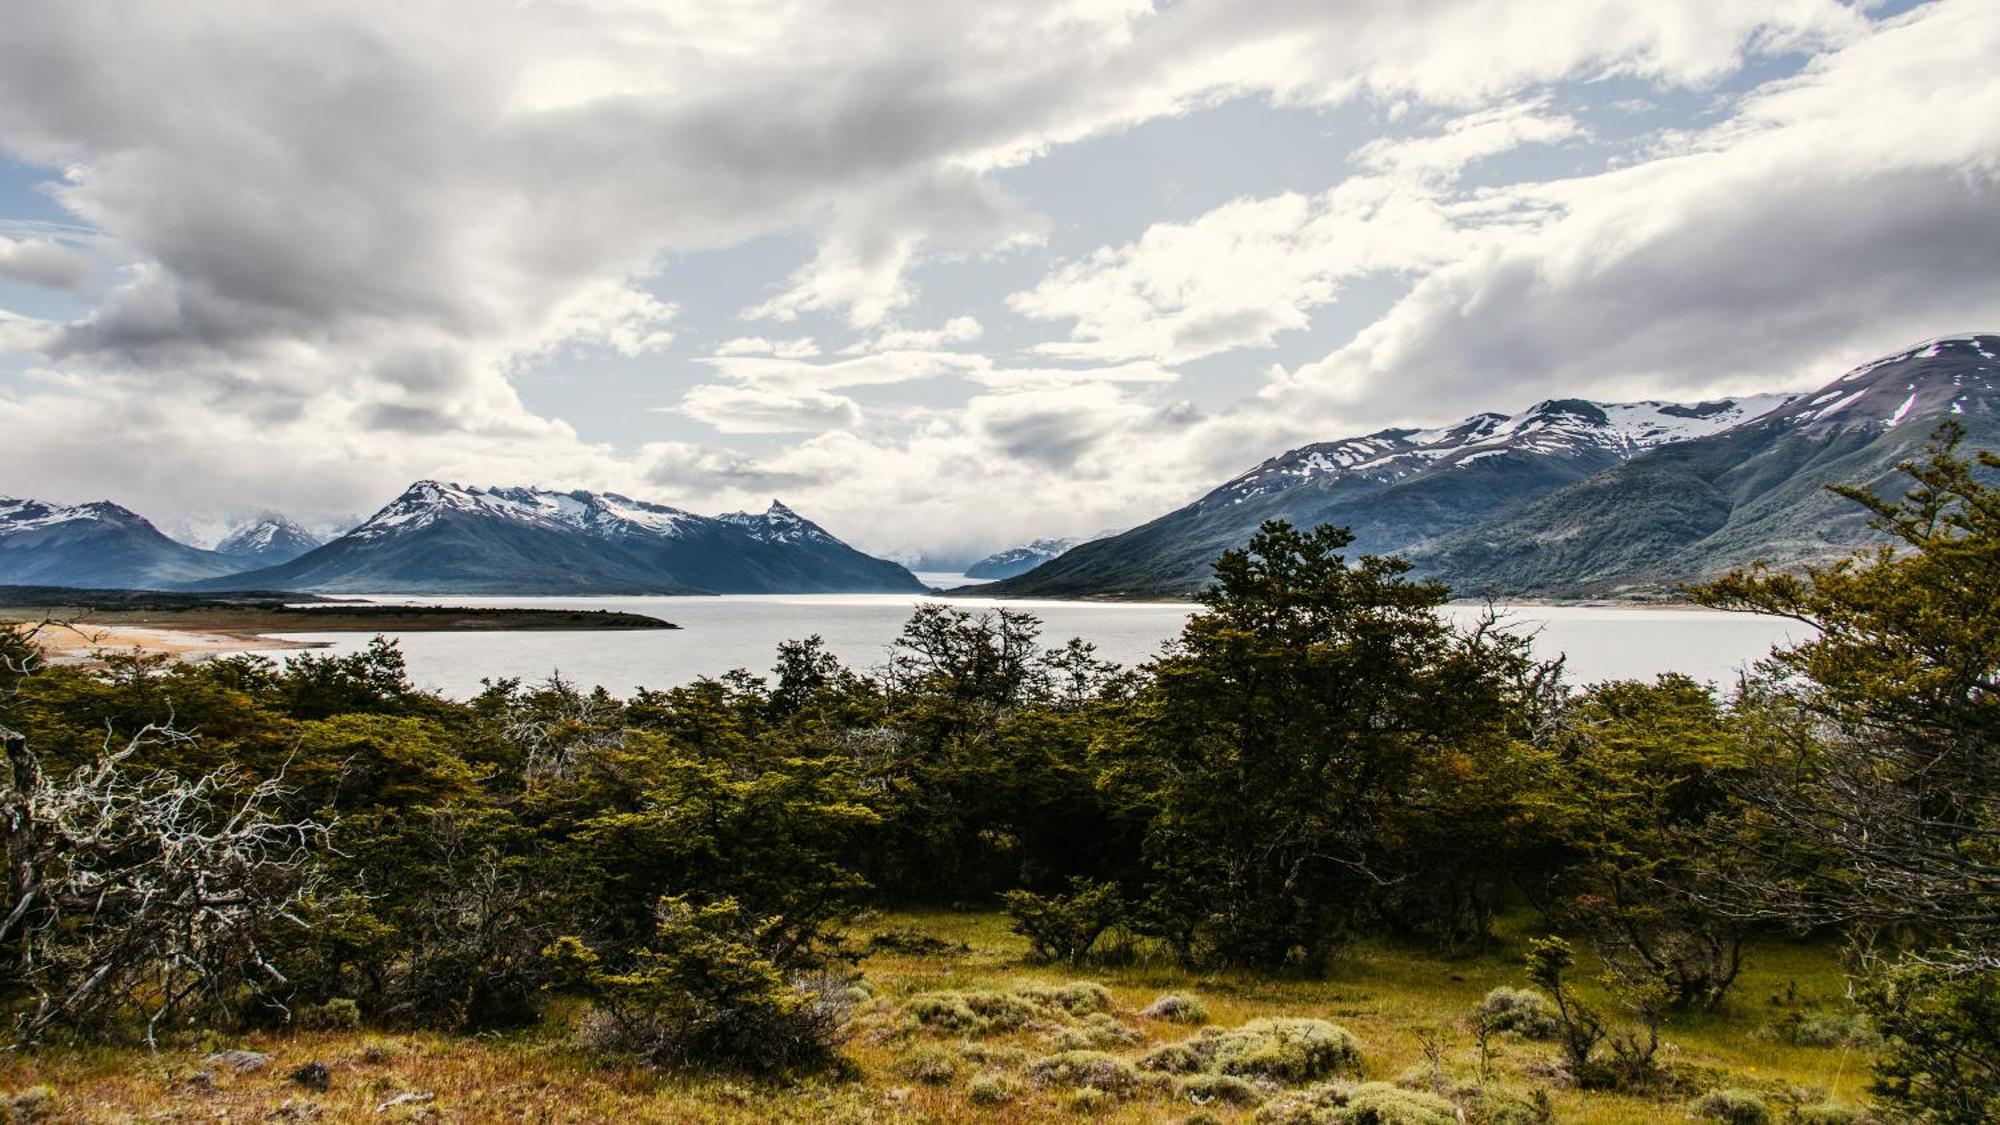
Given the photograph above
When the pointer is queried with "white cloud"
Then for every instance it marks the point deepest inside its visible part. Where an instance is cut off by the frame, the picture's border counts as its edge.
(767, 410)
(355, 221)
(43, 261)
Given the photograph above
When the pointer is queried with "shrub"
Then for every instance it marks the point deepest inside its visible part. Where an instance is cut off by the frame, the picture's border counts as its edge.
(1063, 927)
(1822, 1028)
(930, 1064)
(1378, 1103)
(1204, 1089)
(1175, 1008)
(1090, 1100)
(1095, 1069)
(992, 1088)
(1732, 1106)
(339, 1014)
(946, 1011)
(1077, 997)
(1314, 1105)
(1519, 1011)
(1940, 1027)
(1099, 1029)
(705, 993)
(1290, 1051)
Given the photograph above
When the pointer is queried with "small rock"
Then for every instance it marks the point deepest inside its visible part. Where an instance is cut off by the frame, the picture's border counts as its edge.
(313, 1076)
(240, 1061)
(407, 1097)
(295, 1110)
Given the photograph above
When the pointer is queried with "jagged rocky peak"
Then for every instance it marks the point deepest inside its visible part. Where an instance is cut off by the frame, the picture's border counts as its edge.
(606, 513)
(777, 523)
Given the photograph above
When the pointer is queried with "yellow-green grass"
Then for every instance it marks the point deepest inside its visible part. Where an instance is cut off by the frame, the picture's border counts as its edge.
(1395, 998)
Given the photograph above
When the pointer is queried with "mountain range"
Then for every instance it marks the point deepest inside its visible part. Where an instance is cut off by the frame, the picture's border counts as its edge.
(1019, 560)
(450, 538)
(1570, 497)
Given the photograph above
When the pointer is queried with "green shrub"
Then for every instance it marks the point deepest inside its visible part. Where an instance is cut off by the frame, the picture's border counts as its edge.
(1819, 1027)
(705, 993)
(944, 1011)
(1205, 1089)
(992, 1088)
(1378, 1103)
(1091, 1101)
(1290, 1051)
(1175, 1008)
(1314, 1105)
(339, 1014)
(1731, 1106)
(1095, 1069)
(1077, 997)
(1518, 1011)
(929, 1064)
(1063, 927)
(1099, 1029)
(1940, 1029)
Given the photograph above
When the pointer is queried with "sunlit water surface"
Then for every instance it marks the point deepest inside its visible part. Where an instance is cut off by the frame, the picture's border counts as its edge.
(718, 634)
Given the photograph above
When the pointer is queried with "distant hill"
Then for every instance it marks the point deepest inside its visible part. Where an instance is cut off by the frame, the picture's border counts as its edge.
(1698, 508)
(267, 542)
(1019, 560)
(450, 538)
(1396, 488)
(95, 545)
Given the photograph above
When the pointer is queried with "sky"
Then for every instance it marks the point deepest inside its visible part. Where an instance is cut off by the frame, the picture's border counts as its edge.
(943, 276)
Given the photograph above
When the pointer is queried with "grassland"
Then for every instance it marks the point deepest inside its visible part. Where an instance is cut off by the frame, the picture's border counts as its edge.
(1405, 1006)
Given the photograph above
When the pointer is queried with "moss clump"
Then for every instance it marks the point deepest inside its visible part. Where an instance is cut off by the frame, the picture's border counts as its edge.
(1205, 1089)
(992, 1088)
(1823, 1028)
(1077, 997)
(1175, 1008)
(1288, 1051)
(1732, 1106)
(943, 1011)
(1371, 1103)
(930, 1064)
(1518, 1011)
(1099, 1029)
(1077, 1069)
(1091, 1101)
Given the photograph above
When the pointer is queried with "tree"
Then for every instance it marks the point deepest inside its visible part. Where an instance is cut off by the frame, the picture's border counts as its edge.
(1883, 744)
(139, 893)
(1291, 734)
(1881, 773)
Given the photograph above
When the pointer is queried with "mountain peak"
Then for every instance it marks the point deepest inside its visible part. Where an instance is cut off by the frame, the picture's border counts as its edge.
(1948, 375)
(271, 539)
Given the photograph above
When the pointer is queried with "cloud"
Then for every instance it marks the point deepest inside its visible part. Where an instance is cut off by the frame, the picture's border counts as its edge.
(801, 347)
(1847, 209)
(355, 223)
(765, 410)
(44, 262)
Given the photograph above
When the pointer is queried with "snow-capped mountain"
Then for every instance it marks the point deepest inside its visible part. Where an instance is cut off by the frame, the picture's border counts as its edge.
(1021, 559)
(1697, 508)
(1395, 488)
(440, 538)
(97, 545)
(268, 541)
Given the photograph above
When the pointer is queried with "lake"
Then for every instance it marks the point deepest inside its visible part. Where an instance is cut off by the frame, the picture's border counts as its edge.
(718, 634)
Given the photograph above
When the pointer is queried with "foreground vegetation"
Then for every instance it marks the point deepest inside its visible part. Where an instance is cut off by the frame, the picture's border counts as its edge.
(1398, 1001)
(1326, 859)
